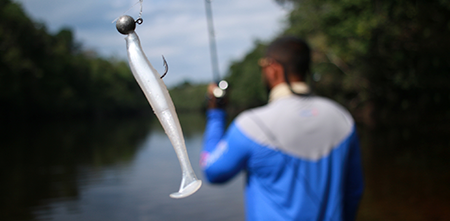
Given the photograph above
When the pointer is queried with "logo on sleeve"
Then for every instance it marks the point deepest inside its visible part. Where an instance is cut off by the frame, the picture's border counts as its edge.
(209, 158)
(309, 112)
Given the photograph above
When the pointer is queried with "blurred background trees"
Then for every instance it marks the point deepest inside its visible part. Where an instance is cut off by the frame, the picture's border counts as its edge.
(50, 75)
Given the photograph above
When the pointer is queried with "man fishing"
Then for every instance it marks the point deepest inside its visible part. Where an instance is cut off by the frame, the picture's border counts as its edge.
(300, 152)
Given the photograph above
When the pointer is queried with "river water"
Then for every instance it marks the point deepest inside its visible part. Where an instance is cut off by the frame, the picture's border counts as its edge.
(126, 169)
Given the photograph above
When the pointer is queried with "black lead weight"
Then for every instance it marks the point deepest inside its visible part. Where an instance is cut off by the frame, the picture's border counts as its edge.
(125, 24)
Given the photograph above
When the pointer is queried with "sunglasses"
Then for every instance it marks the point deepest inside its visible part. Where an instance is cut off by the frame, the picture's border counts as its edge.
(265, 62)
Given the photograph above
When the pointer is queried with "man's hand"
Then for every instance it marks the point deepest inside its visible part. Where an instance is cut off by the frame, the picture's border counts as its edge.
(217, 96)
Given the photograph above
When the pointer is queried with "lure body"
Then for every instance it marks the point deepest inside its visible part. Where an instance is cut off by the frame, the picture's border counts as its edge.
(158, 96)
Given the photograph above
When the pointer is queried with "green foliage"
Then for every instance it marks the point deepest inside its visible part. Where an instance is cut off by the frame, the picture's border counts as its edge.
(188, 97)
(246, 87)
(50, 75)
(391, 53)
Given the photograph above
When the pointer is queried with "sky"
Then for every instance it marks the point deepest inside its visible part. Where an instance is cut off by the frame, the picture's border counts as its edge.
(176, 29)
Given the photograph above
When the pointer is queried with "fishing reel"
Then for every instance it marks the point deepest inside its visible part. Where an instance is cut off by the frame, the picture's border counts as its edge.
(220, 94)
(221, 90)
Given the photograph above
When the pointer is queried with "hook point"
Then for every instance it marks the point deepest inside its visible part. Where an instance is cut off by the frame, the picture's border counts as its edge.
(165, 66)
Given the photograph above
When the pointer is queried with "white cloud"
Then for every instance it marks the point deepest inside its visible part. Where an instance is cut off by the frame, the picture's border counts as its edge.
(173, 28)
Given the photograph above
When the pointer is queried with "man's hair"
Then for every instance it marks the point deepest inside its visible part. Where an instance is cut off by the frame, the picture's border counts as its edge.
(293, 53)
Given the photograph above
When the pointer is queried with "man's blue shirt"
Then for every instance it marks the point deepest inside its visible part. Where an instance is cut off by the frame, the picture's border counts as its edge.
(301, 157)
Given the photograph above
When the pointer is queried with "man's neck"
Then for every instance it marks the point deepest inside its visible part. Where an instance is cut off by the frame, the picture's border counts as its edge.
(282, 90)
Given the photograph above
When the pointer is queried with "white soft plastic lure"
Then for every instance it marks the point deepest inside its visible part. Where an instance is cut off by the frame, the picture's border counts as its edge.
(156, 92)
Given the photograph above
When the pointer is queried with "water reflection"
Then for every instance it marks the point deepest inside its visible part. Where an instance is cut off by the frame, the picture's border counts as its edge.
(407, 174)
(116, 170)
(44, 163)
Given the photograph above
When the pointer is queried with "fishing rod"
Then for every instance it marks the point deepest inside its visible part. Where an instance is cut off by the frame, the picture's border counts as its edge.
(222, 85)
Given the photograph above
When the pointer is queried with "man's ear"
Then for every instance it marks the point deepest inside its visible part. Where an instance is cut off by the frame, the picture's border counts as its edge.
(277, 73)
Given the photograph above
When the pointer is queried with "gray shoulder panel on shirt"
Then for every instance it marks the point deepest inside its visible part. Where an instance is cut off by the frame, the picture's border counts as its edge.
(308, 128)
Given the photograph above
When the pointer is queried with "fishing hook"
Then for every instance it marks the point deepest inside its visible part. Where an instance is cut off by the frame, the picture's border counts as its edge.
(165, 66)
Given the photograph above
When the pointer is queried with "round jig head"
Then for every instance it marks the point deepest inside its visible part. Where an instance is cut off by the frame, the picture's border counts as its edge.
(125, 24)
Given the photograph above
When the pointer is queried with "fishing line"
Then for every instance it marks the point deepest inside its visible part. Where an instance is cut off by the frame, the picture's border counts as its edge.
(139, 20)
